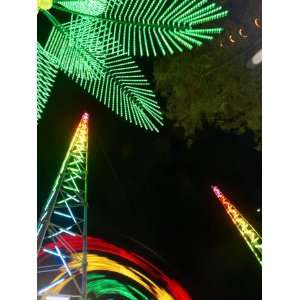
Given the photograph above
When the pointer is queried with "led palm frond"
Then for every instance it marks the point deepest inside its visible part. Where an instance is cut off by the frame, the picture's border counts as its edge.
(250, 235)
(86, 53)
(94, 48)
(152, 27)
(64, 212)
(124, 89)
(46, 74)
(78, 47)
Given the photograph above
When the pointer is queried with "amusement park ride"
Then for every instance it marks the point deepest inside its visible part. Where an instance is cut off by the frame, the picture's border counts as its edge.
(65, 213)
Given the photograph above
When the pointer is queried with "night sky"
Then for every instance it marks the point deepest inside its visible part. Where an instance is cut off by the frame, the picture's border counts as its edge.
(152, 189)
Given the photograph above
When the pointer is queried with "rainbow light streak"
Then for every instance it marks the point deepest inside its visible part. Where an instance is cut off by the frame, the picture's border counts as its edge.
(250, 235)
(116, 271)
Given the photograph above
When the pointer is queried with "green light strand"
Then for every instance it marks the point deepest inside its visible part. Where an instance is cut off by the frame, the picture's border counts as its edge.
(46, 75)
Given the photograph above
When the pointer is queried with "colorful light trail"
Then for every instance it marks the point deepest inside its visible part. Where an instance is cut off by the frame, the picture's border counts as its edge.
(250, 235)
(113, 270)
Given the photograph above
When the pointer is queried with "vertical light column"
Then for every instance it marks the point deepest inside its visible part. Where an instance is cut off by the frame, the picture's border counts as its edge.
(65, 213)
(250, 235)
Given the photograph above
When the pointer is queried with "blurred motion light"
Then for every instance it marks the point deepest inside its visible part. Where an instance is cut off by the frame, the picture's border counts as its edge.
(255, 60)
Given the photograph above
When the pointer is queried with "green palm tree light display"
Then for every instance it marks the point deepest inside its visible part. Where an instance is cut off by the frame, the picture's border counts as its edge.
(97, 46)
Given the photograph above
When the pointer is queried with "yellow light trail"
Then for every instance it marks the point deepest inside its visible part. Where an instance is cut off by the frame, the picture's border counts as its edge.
(100, 263)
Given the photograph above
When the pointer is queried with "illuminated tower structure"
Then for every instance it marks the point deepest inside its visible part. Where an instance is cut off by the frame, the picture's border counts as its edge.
(250, 235)
(65, 213)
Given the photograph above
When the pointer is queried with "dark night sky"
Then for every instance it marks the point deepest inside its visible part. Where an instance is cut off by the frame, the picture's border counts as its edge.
(156, 190)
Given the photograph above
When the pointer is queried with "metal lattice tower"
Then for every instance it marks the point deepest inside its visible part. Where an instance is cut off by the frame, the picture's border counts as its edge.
(250, 235)
(65, 212)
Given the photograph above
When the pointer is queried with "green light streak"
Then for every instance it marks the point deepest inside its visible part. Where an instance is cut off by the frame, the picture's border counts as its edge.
(101, 285)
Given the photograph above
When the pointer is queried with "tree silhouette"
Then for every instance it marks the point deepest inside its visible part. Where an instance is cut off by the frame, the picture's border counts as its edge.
(210, 87)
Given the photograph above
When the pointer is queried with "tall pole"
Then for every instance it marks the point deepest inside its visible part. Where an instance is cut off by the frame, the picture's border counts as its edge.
(65, 213)
(249, 234)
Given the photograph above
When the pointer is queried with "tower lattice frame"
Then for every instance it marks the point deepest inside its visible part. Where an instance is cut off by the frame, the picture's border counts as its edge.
(65, 212)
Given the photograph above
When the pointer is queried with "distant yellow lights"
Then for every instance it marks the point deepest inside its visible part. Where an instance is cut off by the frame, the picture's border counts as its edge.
(242, 33)
(44, 4)
(257, 22)
(231, 39)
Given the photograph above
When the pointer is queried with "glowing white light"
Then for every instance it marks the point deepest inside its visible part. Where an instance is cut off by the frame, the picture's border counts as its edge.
(257, 57)
(40, 292)
(57, 298)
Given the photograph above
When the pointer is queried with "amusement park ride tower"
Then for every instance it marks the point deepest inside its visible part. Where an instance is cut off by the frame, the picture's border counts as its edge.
(249, 234)
(65, 213)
